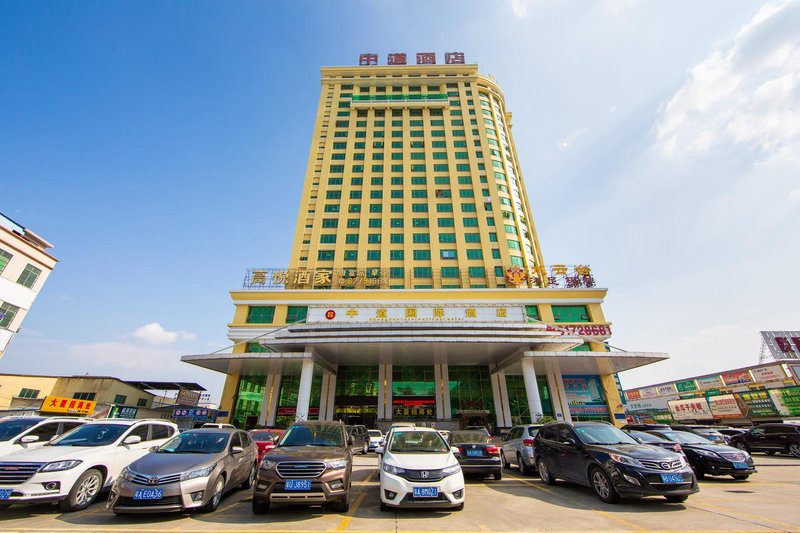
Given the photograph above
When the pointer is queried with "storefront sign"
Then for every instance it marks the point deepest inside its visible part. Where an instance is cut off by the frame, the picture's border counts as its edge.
(122, 411)
(187, 397)
(733, 378)
(589, 330)
(787, 400)
(665, 390)
(660, 403)
(55, 404)
(633, 395)
(782, 344)
(768, 373)
(686, 386)
(724, 406)
(400, 58)
(795, 369)
(416, 313)
(693, 409)
(413, 406)
(585, 396)
(756, 403)
(291, 411)
(648, 392)
(710, 382)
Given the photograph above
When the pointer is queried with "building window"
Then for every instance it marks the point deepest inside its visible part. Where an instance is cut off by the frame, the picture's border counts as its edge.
(396, 255)
(444, 208)
(375, 223)
(397, 272)
(29, 393)
(421, 238)
(419, 222)
(423, 272)
(7, 314)
(396, 238)
(422, 255)
(84, 396)
(120, 398)
(448, 254)
(396, 222)
(570, 313)
(475, 254)
(296, 313)
(472, 237)
(447, 237)
(141, 402)
(350, 255)
(255, 347)
(374, 238)
(351, 238)
(325, 255)
(446, 222)
(449, 272)
(330, 222)
(260, 314)
(329, 238)
(5, 257)
(470, 222)
(29, 276)
(476, 272)
(373, 255)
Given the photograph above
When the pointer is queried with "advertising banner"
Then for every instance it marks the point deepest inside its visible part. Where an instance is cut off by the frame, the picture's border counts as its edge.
(633, 395)
(187, 397)
(768, 373)
(414, 406)
(55, 404)
(725, 406)
(710, 382)
(652, 404)
(648, 392)
(686, 386)
(733, 378)
(787, 400)
(585, 395)
(782, 344)
(756, 403)
(795, 369)
(693, 409)
(122, 411)
(666, 390)
(416, 313)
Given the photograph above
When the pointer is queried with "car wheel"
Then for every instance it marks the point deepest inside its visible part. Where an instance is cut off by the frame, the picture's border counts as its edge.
(503, 460)
(603, 486)
(497, 476)
(251, 477)
(794, 449)
(677, 499)
(216, 497)
(523, 468)
(740, 477)
(365, 449)
(544, 473)
(742, 446)
(343, 505)
(83, 492)
(260, 506)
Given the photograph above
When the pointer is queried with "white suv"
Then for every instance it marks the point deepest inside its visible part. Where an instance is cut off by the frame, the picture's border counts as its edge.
(75, 467)
(27, 432)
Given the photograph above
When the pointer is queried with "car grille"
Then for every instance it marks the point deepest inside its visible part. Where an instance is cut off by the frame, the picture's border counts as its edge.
(17, 473)
(734, 456)
(165, 501)
(409, 498)
(152, 480)
(300, 469)
(668, 464)
(422, 475)
(666, 487)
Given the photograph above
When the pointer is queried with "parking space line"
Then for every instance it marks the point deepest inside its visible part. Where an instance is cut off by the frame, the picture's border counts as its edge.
(346, 520)
(792, 527)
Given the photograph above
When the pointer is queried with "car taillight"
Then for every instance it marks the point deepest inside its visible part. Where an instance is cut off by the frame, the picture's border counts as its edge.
(528, 442)
(492, 450)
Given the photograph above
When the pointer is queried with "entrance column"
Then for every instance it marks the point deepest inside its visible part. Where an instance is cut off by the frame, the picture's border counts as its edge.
(304, 394)
(558, 396)
(385, 391)
(269, 405)
(441, 383)
(327, 396)
(445, 392)
(531, 389)
(502, 408)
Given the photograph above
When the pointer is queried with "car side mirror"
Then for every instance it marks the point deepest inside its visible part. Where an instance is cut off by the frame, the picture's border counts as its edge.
(571, 442)
(455, 450)
(132, 439)
(27, 439)
(379, 450)
(236, 450)
(153, 449)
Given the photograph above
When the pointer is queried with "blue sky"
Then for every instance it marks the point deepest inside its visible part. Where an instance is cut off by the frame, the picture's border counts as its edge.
(161, 146)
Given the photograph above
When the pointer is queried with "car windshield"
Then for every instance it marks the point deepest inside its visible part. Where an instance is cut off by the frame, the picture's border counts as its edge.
(196, 442)
(707, 431)
(468, 437)
(684, 437)
(91, 435)
(375, 433)
(311, 435)
(11, 428)
(263, 436)
(533, 431)
(603, 434)
(417, 442)
(647, 437)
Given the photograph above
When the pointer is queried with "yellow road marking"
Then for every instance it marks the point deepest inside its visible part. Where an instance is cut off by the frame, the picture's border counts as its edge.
(792, 527)
(160, 530)
(346, 520)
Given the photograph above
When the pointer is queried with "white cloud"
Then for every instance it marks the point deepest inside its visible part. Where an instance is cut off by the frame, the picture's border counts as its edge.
(122, 355)
(154, 333)
(747, 95)
(520, 8)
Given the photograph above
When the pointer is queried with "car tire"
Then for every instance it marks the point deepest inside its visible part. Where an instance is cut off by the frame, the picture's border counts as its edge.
(251, 477)
(603, 486)
(343, 505)
(524, 469)
(498, 476)
(677, 499)
(742, 446)
(213, 503)
(83, 492)
(699, 474)
(503, 461)
(794, 449)
(260, 506)
(365, 448)
(544, 473)
(740, 477)
(385, 508)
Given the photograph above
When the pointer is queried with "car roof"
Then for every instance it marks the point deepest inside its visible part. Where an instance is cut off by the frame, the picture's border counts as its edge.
(128, 421)
(211, 430)
(419, 429)
(318, 423)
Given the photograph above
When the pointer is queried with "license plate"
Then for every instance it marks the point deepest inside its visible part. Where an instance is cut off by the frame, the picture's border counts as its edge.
(740, 465)
(426, 492)
(5, 494)
(474, 453)
(298, 484)
(672, 478)
(148, 494)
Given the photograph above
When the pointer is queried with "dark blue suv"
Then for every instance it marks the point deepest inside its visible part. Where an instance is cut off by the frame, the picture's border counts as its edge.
(600, 456)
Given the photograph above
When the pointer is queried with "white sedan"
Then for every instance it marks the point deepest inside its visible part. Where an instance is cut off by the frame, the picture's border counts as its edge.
(418, 469)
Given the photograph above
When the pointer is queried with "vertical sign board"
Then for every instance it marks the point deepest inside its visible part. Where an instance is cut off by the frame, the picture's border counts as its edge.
(724, 406)
(692, 409)
(756, 404)
(585, 396)
(787, 400)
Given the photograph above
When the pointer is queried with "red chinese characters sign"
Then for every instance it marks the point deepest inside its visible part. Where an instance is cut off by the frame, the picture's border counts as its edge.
(55, 404)
(423, 58)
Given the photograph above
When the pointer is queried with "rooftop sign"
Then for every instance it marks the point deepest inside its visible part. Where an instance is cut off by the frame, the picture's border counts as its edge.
(400, 58)
(782, 344)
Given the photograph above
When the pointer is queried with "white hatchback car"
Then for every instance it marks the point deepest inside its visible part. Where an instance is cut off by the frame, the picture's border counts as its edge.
(75, 467)
(27, 432)
(418, 469)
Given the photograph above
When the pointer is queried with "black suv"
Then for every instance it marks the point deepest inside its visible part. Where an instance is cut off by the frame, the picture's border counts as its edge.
(359, 438)
(770, 438)
(710, 458)
(598, 455)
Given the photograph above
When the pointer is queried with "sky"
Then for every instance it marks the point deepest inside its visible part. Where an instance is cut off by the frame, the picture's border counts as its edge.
(161, 147)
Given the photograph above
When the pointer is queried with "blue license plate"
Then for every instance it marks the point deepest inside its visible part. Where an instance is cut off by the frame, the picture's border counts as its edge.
(298, 484)
(672, 478)
(426, 492)
(148, 494)
(5, 494)
(739, 465)
(474, 453)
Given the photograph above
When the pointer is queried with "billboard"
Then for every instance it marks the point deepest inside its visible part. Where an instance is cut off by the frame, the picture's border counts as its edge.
(787, 401)
(795, 372)
(756, 403)
(710, 382)
(693, 409)
(724, 406)
(187, 397)
(782, 344)
(733, 378)
(55, 404)
(686, 386)
(768, 373)
(585, 395)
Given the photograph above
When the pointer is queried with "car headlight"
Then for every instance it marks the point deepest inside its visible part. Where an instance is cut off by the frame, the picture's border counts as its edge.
(706, 453)
(127, 474)
(391, 469)
(202, 472)
(338, 464)
(682, 459)
(450, 470)
(625, 460)
(266, 464)
(58, 466)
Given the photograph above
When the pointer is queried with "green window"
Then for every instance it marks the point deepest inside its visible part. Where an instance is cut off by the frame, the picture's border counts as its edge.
(423, 272)
(397, 193)
(419, 222)
(351, 238)
(416, 133)
(466, 193)
(495, 253)
(353, 208)
(447, 237)
(296, 313)
(397, 208)
(339, 146)
(375, 223)
(441, 167)
(340, 134)
(351, 255)
(470, 222)
(417, 144)
(440, 155)
(373, 255)
(397, 272)
(510, 229)
(358, 157)
(476, 272)
(7, 314)
(468, 207)
(337, 157)
(417, 155)
(461, 144)
(462, 155)
(353, 222)
(325, 255)
(377, 181)
(444, 208)
(421, 238)
(449, 272)
(493, 237)
(376, 194)
(448, 254)
(396, 238)
(570, 313)
(358, 168)
(513, 245)
(418, 168)
(356, 181)
(517, 261)
(359, 145)
(374, 238)
(396, 255)
(464, 180)
(446, 222)
(355, 195)
(331, 208)
(442, 180)
(334, 181)
(396, 222)
(532, 311)
(328, 238)
(422, 255)
(397, 168)
(375, 208)
(377, 156)
(462, 167)
(439, 144)
(419, 193)
(472, 237)
(397, 180)
(260, 314)
(419, 208)
(420, 180)
(377, 168)
(475, 254)
(498, 271)
(338, 169)
(397, 156)
(490, 221)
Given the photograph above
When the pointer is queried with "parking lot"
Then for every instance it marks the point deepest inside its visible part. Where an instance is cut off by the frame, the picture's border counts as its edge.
(766, 502)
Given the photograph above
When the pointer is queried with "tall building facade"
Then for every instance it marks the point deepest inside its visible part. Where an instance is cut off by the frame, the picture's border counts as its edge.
(25, 265)
(416, 287)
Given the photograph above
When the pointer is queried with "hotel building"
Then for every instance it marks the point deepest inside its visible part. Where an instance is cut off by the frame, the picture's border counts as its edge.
(416, 288)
